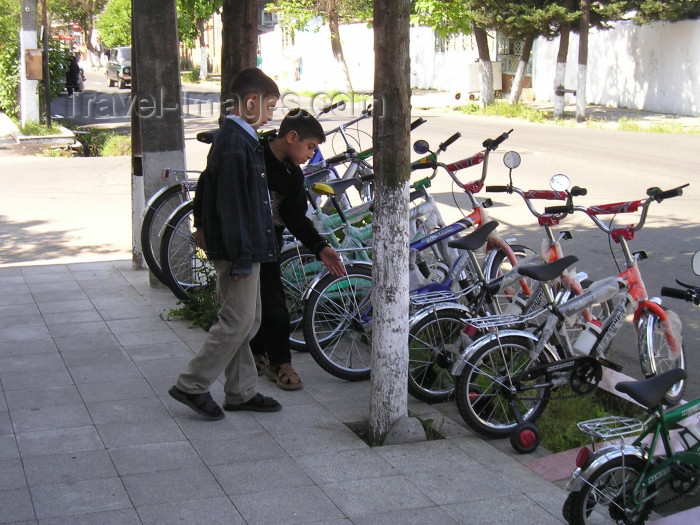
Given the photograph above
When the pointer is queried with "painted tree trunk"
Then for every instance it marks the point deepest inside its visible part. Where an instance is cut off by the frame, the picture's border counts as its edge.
(560, 70)
(239, 45)
(336, 43)
(485, 68)
(391, 128)
(517, 87)
(202, 30)
(585, 23)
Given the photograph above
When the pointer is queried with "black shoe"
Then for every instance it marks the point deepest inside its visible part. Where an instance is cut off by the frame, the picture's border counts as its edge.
(259, 403)
(203, 404)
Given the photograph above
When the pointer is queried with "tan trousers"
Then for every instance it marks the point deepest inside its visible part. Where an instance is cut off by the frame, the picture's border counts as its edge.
(227, 345)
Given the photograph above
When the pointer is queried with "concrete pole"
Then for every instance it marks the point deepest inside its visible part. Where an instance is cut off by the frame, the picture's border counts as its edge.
(28, 96)
(157, 135)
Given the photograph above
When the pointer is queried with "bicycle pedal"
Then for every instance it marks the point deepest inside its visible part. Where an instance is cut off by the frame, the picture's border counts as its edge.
(609, 364)
(684, 472)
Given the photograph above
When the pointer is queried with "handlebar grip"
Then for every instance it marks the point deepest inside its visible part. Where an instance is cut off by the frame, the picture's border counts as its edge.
(676, 293)
(668, 194)
(417, 122)
(449, 141)
(337, 159)
(330, 108)
(577, 191)
(497, 189)
(556, 209)
(422, 165)
(492, 144)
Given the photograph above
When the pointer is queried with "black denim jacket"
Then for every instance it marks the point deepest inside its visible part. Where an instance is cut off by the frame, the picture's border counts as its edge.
(235, 209)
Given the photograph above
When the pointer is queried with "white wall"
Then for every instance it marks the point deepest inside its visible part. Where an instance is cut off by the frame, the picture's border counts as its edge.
(654, 67)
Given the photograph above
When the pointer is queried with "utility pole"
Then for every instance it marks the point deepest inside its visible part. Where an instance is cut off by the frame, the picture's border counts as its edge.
(45, 61)
(28, 98)
(157, 136)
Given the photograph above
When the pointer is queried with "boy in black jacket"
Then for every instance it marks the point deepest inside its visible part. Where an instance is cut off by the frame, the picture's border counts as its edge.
(292, 145)
(236, 221)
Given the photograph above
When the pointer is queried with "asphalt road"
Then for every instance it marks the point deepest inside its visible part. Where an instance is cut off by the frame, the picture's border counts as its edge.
(613, 165)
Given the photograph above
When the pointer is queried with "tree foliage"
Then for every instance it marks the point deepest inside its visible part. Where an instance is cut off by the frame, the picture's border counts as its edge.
(189, 12)
(114, 23)
(81, 12)
(296, 14)
(9, 22)
(667, 11)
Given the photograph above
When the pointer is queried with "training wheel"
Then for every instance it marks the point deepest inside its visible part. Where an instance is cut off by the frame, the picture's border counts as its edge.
(525, 438)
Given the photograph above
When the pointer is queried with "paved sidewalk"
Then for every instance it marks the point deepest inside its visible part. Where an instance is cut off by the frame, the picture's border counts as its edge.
(88, 433)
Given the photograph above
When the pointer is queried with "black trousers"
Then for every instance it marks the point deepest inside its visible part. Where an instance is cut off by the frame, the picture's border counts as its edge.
(273, 335)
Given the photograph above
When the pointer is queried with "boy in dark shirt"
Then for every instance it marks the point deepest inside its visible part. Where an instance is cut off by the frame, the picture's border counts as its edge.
(299, 134)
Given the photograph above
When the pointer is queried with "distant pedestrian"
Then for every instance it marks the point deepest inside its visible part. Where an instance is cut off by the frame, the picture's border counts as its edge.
(73, 75)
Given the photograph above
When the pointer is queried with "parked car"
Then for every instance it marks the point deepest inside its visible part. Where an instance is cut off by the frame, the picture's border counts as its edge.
(118, 68)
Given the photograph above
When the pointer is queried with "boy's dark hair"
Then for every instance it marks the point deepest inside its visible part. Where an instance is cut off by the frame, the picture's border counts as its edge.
(253, 81)
(303, 123)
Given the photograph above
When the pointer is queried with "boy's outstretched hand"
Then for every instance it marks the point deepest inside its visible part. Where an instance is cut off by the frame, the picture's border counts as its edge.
(332, 261)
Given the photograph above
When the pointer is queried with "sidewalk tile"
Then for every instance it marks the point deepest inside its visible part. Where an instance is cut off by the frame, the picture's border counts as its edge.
(309, 505)
(213, 511)
(140, 459)
(114, 390)
(140, 410)
(241, 447)
(81, 497)
(47, 418)
(497, 511)
(260, 476)
(12, 475)
(16, 506)
(34, 380)
(376, 495)
(124, 434)
(31, 363)
(58, 441)
(110, 517)
(345, 465)
(318, 439)
(172, 486)
(42, 345)
(68, 467)
(432, 515)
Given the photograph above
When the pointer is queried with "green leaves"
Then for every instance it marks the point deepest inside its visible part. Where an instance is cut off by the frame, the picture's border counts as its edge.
(114, 23)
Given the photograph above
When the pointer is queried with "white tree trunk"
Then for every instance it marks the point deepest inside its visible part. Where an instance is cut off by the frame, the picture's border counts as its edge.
(581, 93)
(390, 310)
(203, 67)
(559, 97)
(486, 76)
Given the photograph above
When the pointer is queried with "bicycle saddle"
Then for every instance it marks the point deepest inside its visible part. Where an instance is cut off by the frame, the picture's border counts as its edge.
(335, 187)
(549, 271)
(476, 239)
(650, 392)
(316, 176)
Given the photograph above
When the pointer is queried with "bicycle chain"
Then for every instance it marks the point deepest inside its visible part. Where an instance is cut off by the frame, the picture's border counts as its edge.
(678, 495)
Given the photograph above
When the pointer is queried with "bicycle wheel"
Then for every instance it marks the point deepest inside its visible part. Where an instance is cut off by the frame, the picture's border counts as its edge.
(298, 267)
(337, 323)
(500, 265)
(433, 343)
(158, 209)
(185, 266)
(655, 357)
(490, 381)
(609, 492)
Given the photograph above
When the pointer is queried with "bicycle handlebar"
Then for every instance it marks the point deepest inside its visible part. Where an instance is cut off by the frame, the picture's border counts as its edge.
(676, 293)
(655, 195)
(532, 194)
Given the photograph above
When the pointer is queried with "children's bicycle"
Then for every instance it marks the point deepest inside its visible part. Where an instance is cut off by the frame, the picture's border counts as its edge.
(506, 378)
(623, 483)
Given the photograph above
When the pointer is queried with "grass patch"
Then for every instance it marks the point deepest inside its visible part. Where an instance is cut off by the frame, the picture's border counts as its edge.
(103, 143)
(503, 108)
(33, 128)
(557, 425)
(191, 77)
(626, 124)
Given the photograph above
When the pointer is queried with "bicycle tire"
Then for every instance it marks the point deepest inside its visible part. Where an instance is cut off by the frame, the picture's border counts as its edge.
(183, 263)
(654, 355)
(429, 357)
(158, 210)
(607, 485)
(483, 402)
(335, 323)
(298, 267)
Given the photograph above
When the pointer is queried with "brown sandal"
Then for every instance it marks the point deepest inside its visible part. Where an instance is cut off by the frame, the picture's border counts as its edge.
(285, 377)
(261, 363)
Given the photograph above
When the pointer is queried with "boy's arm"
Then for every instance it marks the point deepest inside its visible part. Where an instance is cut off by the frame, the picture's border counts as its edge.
(292, 209)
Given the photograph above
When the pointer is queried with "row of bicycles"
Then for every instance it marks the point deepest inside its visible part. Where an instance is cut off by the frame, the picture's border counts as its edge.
(497, 326)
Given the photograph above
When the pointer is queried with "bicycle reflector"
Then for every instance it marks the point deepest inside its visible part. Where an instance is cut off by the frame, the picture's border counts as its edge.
(582, 457)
